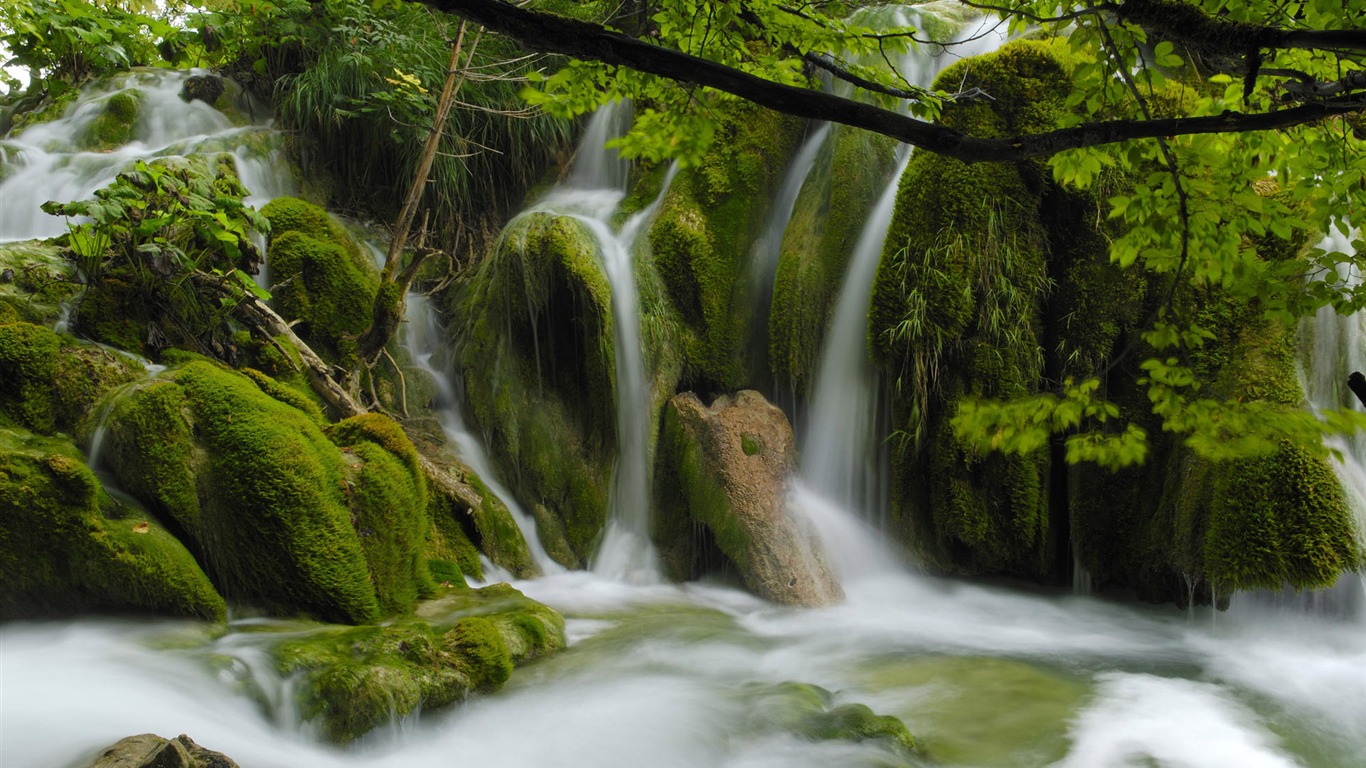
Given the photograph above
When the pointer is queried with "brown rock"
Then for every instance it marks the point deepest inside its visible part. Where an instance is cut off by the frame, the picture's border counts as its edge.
(148, 750)
(730, 465)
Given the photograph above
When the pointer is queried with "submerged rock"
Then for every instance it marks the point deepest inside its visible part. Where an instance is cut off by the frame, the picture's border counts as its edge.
(149, 750)
(205, 88)
(727, 468)
(355, 679)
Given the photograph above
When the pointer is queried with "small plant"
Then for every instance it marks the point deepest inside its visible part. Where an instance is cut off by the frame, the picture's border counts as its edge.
(156, 229)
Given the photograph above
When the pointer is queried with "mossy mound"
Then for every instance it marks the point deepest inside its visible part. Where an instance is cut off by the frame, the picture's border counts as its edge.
(827, 220)
(41, 281)
(388, 499)
(268, 501)
(538, 357)
(50, 382)
(358, 678)
(811, 712)
(113, 126)
(958, 312)
(60, 552)
(322, 277)
(702, 237)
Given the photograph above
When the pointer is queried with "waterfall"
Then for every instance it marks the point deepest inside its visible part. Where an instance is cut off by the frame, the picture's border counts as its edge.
(763, 265)
(47, 162)
(1336, 347)
(842, 456)
(425, 341)
(592, 195)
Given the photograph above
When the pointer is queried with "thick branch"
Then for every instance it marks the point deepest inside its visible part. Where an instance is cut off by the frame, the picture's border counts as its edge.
(1178, 20)
(583, 40)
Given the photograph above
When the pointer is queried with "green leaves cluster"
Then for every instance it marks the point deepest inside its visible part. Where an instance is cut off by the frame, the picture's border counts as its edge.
(160, 228)
(71, 40)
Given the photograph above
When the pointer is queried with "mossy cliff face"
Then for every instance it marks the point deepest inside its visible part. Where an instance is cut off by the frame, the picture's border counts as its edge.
(704, 234)
(957, 312)
(324, 278)
(65, 546)
(267, 501)
(827, 220)
(538, 358)
(468, 642)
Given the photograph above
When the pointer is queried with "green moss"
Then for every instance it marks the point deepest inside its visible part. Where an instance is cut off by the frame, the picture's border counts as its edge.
(60, 553)
(856, 722)
(8, 314)
(388, 498)
(446, 573)
(957, 313)
(467, 642)
(448, 543)
(827, 220)
(254, 483)
(51, 382)
(539, 361)
(810, 712)
(322, 277)
(113, 127)
(114, 312)
(703, 235)
(287, 395)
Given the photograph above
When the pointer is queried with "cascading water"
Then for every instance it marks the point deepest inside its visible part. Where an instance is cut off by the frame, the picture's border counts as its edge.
(425, 340)
(1337, 347)
(842, 457)
(47, 161)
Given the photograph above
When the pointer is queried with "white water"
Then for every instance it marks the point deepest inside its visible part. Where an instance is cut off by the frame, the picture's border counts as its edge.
(685, 676)
(1338, 348)
(841, 445)
(426, 343)
(592, 195)
(47, 166)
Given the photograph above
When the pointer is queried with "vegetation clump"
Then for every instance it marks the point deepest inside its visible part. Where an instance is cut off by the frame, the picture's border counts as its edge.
(281, 517)
(66, 547)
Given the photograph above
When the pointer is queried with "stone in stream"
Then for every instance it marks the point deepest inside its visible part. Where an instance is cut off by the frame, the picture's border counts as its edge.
(727, 468)
(147, 750)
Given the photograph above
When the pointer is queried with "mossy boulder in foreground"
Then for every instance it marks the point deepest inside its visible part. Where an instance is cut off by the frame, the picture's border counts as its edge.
(281, 517)
(50, 382)
(66, 547)
(148, 750)
(355, 679)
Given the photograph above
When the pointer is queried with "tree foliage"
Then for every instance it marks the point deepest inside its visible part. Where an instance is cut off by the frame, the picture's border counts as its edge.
(1236, 122)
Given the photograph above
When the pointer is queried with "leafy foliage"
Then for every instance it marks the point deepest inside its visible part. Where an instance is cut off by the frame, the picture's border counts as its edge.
(156, 227)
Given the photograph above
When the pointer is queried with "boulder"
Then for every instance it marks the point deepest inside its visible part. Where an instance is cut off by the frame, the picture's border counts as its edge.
(727, 468)
(148, 750)
(205, 88)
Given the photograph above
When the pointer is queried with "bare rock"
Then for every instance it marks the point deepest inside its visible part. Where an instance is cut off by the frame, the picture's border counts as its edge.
(727, 468)
(148, 750)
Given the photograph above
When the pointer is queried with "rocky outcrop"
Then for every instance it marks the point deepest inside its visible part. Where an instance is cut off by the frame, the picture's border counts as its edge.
(205, 88)
(727, 468)
(148, 750)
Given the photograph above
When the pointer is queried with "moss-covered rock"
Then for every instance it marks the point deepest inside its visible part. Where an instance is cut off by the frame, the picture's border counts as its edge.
(355, 679)
(50, 382)
(66, 548)
(41, 280)
(388, 498)
(702, 238)
(113, 126)
(827, 220)
(539, 360)
(268, 501)
(812, 713)
(322, 277)
(958, 312)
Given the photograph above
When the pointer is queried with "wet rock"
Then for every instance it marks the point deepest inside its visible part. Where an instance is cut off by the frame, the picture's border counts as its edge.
(148, 750)
(727, 468)
(205, 88)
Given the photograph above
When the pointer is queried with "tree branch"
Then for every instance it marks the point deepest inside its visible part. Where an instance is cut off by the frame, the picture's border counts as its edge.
(583, 40)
